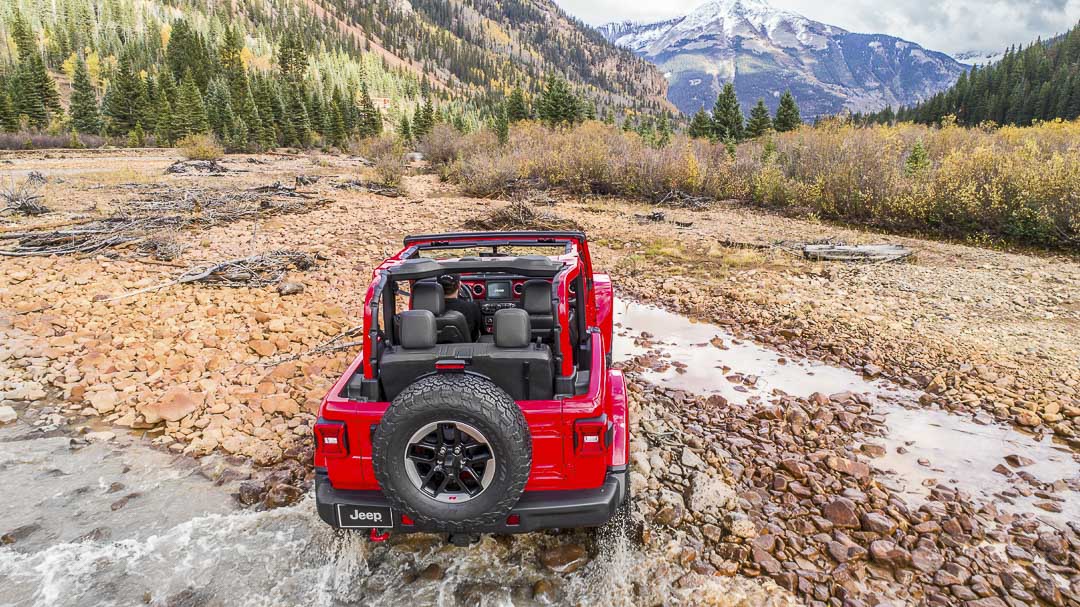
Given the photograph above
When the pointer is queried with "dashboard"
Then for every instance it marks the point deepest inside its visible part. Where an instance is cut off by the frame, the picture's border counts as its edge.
(495, 289)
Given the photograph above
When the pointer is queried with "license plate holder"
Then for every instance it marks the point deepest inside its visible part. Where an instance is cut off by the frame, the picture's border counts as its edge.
(352, 516)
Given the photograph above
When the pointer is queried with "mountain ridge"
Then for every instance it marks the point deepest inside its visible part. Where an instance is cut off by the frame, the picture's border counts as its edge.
(765, 51)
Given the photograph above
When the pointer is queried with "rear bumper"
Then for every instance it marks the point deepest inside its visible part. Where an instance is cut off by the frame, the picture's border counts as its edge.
(535, 510)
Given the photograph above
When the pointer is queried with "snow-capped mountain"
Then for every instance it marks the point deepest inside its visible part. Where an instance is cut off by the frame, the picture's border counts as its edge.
(979, 57)
(766, 51)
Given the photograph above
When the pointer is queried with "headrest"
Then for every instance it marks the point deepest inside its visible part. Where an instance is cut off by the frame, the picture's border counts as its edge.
(429, 296)
(418, 329)
(512, 328)
(536, 297)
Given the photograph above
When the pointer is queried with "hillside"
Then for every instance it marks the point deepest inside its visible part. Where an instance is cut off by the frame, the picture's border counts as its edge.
(1040, 82)
(465, 54)
(765, 51)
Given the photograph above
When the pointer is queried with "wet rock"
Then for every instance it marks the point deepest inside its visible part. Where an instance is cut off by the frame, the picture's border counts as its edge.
(282, 495)
(251, 492)
(888, 553)
(19, 533)
(545, 592)
(288, 288)
(97, 534)
(566, 558)
(841, 513)
(432, 572)
(1018, 461)
(872, 450)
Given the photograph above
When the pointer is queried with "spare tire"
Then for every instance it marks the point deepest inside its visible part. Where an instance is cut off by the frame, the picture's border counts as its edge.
(453, 452)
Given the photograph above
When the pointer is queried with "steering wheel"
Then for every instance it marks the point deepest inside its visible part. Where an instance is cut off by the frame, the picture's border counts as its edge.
(465, 293)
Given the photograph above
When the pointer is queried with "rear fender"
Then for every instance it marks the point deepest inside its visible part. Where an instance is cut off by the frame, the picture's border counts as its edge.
(620, 416)
(605, 306)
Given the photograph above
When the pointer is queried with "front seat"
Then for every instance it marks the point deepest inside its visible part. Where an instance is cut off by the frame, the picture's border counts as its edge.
(452, 326)
(536, 299)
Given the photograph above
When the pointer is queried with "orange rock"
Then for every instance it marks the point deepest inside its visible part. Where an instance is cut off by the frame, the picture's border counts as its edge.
(262, 347)
(174, 405)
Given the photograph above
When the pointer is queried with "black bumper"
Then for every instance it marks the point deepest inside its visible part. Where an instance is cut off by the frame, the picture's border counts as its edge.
(535, 510)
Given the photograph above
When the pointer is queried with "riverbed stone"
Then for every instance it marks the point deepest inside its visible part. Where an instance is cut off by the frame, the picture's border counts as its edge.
(841, 513)
(564, 558)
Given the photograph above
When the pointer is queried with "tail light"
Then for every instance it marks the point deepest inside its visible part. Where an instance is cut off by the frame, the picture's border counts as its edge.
(513, 520)
(330, 438)
(590, 435)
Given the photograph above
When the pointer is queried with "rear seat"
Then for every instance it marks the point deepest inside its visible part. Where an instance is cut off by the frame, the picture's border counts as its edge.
(522, 369)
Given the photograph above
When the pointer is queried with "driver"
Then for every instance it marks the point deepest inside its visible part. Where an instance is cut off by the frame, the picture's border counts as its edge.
(451, 285)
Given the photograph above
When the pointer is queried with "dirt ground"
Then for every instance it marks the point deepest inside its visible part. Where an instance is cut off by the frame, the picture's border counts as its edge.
(204, 369)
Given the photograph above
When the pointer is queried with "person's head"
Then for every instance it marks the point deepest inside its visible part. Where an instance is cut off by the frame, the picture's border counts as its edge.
(451, 284)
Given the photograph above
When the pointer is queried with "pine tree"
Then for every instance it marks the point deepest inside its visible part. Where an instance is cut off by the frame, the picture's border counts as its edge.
(298, 131)
(23, 36)
(26, 95)
(759, 122)
(189, 115)
(663, 131)
(369, 123)
(337, 126)
(120, 98)
(9, 120)
(423, 119)
(84, 106)
(292, 58)
(501, 125)
(918, 161)
(405, 129)
(516, 107)
(557, 105)
(787, 114)
(700, 125)
(727, 116)
(219, 112)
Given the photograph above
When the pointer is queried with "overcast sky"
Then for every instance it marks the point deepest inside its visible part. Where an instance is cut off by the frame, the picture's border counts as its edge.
(943, 25)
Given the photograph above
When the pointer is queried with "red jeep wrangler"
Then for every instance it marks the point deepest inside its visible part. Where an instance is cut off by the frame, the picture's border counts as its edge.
(522, 428)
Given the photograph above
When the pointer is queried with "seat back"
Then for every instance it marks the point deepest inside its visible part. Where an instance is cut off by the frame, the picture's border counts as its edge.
(522, 368)
(536, 300)
(401, 365)
(451, 325)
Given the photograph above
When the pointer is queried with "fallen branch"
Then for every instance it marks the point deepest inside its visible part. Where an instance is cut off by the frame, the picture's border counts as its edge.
(23, 198)
(325, 347)
(255, 271)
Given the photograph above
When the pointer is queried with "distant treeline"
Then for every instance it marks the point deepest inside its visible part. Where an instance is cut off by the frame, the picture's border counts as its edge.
(1040, 82)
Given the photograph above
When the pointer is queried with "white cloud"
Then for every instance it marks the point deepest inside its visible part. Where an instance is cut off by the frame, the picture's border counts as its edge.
(945, 25)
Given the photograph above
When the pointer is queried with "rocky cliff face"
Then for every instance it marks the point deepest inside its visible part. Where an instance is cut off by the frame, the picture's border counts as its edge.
(765, 51)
